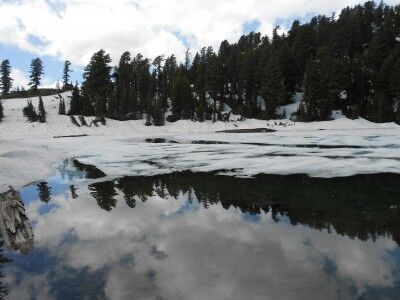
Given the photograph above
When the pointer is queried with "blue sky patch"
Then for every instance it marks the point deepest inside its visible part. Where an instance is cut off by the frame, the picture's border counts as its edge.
(250, 26)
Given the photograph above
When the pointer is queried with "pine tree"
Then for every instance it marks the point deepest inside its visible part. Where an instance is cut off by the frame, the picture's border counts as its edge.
(169, 73)
(42, 111)
(5, 77)
(322, 86)
(61, 107)
(75, 104)
(30, 112)
(395, 80)
(247, 82)
(36, 73)
(97, 88)
(272, 89)
(308, 111)
(187, 60)
(66, 76)
(1, 111)
(330, 83)
(383, 82)
(383, 109)
(124, 86)
(158, 113)
(159, 82)
(289, 70)
(357, 87)
(200, 84)
(182, 104)
(214, 80)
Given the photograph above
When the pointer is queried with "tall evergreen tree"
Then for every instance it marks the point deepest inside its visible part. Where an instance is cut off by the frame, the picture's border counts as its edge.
(272, 89)
(75, 107)
(182, 104)
(214, 80)
(97, 88)
(169, 70)
(312, 88)
(247, 82)
(383, 109)
(289, 70)
(200, 84)
(36, 73)
(395, 83)
(383, 82)
(5, 78)
(157, 113)
(322, 85)
(159, 82)
(125, 88)
(142, 82)
(187, 60)
(66, 71)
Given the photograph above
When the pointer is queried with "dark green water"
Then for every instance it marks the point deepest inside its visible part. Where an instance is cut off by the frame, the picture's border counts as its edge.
(202, 236)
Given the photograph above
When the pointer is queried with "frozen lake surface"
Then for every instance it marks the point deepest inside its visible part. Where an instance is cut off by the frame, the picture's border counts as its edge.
(341, 147)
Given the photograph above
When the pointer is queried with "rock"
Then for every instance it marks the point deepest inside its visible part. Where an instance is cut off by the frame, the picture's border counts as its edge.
(15, 226)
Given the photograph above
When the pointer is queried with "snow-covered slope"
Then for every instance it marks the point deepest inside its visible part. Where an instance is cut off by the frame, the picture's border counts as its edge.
(28, 151)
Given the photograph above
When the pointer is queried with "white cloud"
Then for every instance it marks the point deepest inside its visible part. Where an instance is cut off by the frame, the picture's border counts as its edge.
(20, 79)
(71, 29)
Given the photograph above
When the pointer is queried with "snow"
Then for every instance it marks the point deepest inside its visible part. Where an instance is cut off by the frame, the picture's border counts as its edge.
(29, 153)
(291, 108)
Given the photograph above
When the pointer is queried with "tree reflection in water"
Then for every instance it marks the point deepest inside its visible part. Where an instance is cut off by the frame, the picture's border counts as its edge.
(3, 261)
(191, 235)
(362, 206)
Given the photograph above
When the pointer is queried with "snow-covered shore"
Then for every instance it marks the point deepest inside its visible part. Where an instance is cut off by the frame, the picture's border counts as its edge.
(342, 147)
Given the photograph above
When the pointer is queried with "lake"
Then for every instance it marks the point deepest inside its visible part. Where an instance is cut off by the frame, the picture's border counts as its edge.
(205, 236)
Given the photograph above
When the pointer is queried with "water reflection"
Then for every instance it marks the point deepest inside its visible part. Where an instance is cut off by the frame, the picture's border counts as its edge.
(104, 193)
(3, 261)
(74, 194)
(199, 236)
(363, 206)
(44, 192)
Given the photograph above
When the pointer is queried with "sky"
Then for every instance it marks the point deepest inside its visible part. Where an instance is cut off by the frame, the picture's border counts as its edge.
(56, 30)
